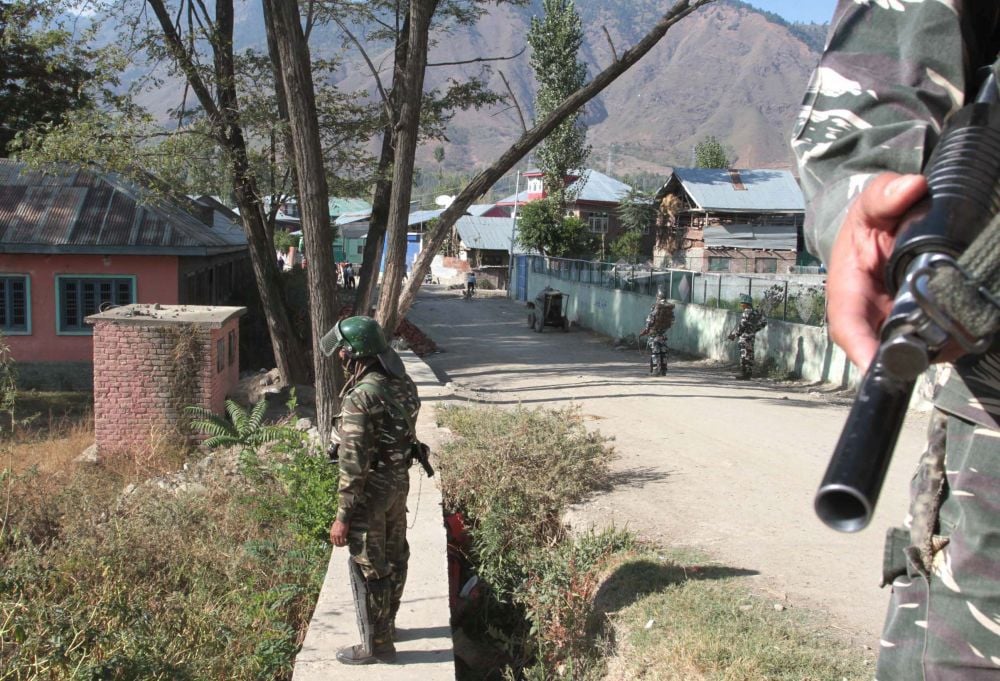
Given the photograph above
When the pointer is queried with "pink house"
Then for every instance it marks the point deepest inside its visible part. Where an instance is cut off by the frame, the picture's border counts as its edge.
(76, 242)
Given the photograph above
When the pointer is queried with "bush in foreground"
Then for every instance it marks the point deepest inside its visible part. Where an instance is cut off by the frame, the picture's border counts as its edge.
(213, 578)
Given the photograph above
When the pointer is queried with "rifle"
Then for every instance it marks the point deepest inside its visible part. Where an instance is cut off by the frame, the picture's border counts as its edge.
(963, 175)
(420, 453)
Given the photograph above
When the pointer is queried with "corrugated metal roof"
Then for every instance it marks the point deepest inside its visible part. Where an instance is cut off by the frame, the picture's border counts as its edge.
(422, 216)
(77, 210)
(478, 209)
(764, 190)
(590, 186)
(339, 206)
(491, 234)
(774, 237)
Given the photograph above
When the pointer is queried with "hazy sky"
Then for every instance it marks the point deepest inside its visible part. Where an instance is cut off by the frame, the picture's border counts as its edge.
(799, 10)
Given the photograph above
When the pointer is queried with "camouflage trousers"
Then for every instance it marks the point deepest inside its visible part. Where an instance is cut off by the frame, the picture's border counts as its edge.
(746, 354)
(377, 534)
(943, 622)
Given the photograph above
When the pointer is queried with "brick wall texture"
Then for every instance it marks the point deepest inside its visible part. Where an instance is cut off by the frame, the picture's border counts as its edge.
(142, 383)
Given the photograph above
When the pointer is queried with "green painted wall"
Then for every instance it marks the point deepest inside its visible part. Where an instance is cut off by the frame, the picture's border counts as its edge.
(806, 351)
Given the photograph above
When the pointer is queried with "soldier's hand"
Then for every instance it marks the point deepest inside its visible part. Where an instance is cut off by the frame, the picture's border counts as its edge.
(857, 300)
(338, 533)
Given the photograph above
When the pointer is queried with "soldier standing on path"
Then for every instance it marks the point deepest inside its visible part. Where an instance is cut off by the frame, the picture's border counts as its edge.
(751, 321)
(373, 440)
(658, 322)
(892, 74)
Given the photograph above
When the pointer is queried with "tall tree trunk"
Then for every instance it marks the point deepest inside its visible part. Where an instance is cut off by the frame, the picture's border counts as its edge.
(313, 198)
(224, 117)
(410, 90)
(486, 179)
(372, 258)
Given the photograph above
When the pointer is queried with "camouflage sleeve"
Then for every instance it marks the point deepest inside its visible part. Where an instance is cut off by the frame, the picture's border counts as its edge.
(357, 449)
(892, 71)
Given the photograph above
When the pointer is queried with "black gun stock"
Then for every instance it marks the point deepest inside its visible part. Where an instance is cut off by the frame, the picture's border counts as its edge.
(963, 176)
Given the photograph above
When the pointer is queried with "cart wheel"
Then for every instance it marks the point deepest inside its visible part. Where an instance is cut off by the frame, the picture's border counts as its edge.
(531, 320)
(565, 325)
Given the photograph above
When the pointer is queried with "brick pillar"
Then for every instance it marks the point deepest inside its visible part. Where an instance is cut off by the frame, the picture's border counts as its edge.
(150, 362)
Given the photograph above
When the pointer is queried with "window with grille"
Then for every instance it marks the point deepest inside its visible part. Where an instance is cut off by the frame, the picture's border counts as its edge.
(14, 305)
(718, 264)
(598, 223)
(80, 297)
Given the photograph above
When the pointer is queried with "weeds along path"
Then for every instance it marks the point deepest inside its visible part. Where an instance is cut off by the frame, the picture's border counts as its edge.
(704, 460)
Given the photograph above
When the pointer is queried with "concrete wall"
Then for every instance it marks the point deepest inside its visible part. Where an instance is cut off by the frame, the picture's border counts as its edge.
(797, 349)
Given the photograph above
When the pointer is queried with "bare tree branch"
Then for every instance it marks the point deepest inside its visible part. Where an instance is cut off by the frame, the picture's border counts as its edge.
(513, 98)
(482, 182)
(371, 66)
(477, 60)
(611, 43)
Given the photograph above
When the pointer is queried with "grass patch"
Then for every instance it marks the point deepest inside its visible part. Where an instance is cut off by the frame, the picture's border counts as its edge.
(678, 621)
(215, 579)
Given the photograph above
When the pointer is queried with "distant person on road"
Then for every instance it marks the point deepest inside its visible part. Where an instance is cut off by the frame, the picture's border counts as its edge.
(658, 321)
(751, 321)
(470, 283)
(872, 114)
(348, 276)
(373, 440)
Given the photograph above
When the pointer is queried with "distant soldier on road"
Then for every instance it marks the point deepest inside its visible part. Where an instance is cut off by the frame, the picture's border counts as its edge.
(373, 439)
(658, 321)
(751, 321)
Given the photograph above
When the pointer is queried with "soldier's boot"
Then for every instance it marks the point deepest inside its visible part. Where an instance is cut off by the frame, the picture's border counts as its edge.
(398, 581)
(372, 602)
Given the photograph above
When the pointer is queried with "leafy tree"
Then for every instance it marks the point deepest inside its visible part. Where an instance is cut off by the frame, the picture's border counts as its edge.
(627, 245)
(709, 153)
(543, 226)
(637, 211)
(45, 71)
(555, 42)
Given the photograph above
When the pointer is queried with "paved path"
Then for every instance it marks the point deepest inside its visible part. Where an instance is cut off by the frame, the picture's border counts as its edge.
(703, 460)
(424, 649)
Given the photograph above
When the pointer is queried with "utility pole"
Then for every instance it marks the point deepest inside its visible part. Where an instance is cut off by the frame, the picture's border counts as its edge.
(513, 235)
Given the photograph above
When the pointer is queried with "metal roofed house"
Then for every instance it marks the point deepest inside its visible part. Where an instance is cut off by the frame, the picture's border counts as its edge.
(485, 243)
(729, 220)
(596, 198)
(76, 240)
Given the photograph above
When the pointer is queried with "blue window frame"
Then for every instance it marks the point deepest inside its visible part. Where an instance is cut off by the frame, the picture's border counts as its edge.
(78, 297)
(15, 304)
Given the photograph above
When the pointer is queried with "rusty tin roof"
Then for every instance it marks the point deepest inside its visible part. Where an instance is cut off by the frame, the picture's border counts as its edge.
(79, 210)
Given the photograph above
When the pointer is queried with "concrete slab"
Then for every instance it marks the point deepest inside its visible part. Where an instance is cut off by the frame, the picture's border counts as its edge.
(425, 645)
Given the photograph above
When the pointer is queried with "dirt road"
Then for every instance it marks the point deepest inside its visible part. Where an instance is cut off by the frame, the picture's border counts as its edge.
(703, 461)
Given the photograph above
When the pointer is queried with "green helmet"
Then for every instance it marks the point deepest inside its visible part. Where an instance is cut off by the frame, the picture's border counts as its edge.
(746, 300)
(363, 337)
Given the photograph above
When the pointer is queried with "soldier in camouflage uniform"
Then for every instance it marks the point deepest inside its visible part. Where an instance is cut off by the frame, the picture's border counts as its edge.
(751, 321)
(373, 438)
(892, 72)
(658, 321)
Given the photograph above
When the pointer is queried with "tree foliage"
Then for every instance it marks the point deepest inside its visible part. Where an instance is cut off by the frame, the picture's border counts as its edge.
(555, 41)
(46, 70)
(541, 225)
(709, 153)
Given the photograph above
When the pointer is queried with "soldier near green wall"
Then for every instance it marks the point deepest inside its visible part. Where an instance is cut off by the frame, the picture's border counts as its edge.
(373, 440)
(751, 321)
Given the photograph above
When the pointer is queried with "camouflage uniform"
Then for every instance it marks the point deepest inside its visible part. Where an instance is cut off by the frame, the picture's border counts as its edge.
(751, 321)
(374, 481)
(657, 344)
(892, 72)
